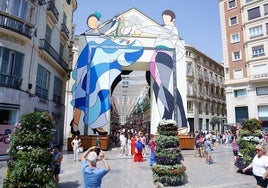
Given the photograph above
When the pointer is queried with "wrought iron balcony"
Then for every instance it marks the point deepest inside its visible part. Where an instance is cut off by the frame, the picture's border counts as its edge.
(65, 30)
(10, 81)
(11, 23)
(51, 7)
(44, 45)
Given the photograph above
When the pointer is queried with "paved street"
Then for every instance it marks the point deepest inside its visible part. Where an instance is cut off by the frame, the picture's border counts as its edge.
(125, 173)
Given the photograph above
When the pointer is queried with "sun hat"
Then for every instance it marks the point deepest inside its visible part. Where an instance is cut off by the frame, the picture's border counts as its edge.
(92, 157)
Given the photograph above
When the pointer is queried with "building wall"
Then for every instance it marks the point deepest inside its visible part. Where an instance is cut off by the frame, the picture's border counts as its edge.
(205, 92)
(22, 35)
(241, 90)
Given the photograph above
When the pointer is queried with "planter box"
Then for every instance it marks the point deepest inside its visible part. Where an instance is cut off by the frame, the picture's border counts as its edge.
(89, 141)
(186, 142)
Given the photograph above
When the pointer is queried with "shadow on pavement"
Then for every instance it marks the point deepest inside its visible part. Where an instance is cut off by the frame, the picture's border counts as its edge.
(69, 184)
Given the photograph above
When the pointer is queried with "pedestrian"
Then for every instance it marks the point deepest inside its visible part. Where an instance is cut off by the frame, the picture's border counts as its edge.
(57, 158)
(235, 148)
(138, 150)
(152, 148)
(208, 149)
(133, 143)
(129, 145)
(259, 166)
(76, 143)
(92, 175)
(123, 144)
(143, 141)
(198, 143)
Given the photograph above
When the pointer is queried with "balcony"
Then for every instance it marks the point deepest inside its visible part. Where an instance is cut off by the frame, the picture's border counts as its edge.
(64, 32)
(44, 45)
(10, 81)
(53, 13)
(16, 25)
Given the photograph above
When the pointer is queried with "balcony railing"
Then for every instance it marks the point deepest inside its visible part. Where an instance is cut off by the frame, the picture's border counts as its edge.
(13, 24)
(10, 81)
(51, 7)
(65, 30)
(44, 45)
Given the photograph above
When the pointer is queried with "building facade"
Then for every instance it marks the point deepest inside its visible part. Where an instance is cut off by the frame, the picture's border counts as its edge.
(244, 25)
(205, 92)
(35, 54)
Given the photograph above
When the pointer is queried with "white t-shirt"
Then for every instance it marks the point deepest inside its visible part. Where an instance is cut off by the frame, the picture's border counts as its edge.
(76, 143)
(123, 140)
(260, 165)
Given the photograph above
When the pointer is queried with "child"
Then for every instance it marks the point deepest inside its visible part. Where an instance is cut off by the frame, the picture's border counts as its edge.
(208, 150)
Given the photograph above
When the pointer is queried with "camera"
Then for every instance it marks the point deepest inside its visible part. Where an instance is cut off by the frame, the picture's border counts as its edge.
(97, 150)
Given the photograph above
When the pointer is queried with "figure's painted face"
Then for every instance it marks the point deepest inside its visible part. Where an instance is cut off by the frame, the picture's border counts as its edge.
(167, 19)
(92, 22)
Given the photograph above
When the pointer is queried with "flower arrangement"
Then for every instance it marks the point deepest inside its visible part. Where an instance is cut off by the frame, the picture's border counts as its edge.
(30, 153)
(248, 137)
(168, 168)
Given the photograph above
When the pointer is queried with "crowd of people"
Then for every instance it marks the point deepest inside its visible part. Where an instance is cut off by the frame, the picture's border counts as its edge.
(204, 144)
(133, 145)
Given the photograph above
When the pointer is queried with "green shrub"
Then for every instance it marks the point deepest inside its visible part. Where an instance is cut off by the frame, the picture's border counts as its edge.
(30, 153)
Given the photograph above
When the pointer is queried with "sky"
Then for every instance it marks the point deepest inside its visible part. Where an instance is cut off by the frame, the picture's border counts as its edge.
(198, 21)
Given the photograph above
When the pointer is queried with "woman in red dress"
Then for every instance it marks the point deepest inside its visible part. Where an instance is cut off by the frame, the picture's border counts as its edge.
(133, 142)
(138, 150)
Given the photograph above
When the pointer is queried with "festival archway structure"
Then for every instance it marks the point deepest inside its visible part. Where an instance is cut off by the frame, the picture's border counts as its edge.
(129, 41)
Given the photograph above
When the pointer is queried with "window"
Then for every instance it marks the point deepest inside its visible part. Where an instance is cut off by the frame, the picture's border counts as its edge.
(266, 25)
(61, 49)
(190, 88)
(236, 56)
(258, 51)
(233, 21)
(206, 74)
(241, 113)
(188, 53)
(265, 9)
(254, 13)
(231, 4)
(200, 106)
(42, 82)
(48, 34)
(235, 38)
(260, 70)
(262, 90)
(226, 70)
(190, 106)
(263, 113)
(238, 73)
(207, 108)
(190, 71)
(57, 90)
(4, 5)
(19, 8)
(240, 93)
(200, 89)
(255, 31)
(11, 62)
(64, 18)
(199, 70)
(247, 1)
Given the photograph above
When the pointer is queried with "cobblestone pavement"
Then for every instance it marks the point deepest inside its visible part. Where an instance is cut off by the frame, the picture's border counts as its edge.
(127, 174)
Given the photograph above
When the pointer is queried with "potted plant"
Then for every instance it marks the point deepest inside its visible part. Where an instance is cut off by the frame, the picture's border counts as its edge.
(168, 168)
